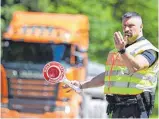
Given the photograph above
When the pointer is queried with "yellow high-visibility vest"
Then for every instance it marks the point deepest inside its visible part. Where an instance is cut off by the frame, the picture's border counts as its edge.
(118, 80)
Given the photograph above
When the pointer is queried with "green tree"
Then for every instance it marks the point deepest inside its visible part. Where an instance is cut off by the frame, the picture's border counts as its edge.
(104, 17)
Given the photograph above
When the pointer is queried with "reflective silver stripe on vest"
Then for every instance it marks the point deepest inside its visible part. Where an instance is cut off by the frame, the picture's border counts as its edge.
(132, 85)
(120, 84)
(116, 84)
(118, 72)
(114, 73)
(145, 77)
(136, 75)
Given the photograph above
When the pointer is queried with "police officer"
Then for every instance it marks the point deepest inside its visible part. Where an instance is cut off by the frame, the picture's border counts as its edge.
(131, 72)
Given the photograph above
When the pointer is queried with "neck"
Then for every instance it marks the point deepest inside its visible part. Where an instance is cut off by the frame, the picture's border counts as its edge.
(140, 35)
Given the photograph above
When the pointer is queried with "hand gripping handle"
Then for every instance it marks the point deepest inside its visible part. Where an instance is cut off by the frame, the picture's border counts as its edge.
(66, 81)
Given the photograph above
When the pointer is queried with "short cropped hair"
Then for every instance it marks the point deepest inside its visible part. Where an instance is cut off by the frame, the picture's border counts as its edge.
(131, 14)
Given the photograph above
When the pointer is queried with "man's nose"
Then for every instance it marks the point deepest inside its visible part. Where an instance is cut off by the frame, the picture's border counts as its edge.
(126, 29)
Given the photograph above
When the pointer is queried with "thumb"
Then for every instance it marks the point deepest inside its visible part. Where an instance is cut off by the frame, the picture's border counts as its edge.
(125, 38)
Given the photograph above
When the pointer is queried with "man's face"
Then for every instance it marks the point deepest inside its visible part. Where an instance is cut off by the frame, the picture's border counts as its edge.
(132, 27)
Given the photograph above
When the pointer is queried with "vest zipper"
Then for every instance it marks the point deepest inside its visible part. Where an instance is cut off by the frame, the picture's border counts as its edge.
(129, 80)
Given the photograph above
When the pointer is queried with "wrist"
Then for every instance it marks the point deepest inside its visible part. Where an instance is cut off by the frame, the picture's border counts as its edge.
(122, 51)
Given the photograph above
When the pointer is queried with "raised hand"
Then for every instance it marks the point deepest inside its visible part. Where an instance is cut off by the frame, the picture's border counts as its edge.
(119, 41)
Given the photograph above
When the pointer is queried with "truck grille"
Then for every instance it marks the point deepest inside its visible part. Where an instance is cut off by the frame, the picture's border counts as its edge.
(30, 95)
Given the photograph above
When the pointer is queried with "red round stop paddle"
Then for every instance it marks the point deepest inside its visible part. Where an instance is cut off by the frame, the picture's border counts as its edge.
(54, 72)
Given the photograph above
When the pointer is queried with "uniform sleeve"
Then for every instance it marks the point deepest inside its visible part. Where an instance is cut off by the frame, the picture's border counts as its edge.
(151, 56)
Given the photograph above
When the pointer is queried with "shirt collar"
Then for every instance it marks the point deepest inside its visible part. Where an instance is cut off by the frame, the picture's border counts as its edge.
(139, 39)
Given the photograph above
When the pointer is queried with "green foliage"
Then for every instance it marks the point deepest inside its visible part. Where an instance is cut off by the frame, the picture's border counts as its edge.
(104, 17)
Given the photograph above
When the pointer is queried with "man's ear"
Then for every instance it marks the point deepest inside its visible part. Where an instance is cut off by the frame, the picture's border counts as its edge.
(141, 26)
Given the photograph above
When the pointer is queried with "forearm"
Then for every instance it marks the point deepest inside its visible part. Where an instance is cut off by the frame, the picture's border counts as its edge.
(132, 64)
(94, 82)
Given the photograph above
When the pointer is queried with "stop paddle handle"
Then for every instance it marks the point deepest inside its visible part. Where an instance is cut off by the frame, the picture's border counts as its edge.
(54, 72)
(77, 89)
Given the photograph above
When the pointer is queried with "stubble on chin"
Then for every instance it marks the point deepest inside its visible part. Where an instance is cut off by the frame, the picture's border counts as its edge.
(131, 39)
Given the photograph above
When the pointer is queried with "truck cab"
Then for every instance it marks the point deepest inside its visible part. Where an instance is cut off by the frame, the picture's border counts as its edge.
(33, 39)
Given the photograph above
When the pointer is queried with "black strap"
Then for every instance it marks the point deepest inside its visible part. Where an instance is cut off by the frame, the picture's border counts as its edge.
(141, 106)
(152, 101)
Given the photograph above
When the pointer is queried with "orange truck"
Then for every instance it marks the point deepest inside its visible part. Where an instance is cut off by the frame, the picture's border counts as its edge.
(32, 40)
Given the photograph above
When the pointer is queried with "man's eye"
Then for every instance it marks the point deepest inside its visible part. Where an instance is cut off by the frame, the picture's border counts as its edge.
(131, 26)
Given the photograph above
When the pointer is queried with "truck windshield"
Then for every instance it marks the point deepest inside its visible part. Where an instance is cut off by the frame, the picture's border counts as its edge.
(38, 53)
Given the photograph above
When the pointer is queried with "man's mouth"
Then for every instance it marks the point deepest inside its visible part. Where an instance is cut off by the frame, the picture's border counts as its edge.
(128, 34)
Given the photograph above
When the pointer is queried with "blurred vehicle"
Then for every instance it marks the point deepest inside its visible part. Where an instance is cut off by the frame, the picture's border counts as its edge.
(32, 40)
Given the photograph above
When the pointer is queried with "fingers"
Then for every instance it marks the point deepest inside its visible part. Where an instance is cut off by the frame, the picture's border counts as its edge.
(123, 41)
(72, 82)
(119, 40)
(69, 91)
(118, 37)
(68, 88)
(125, 38)
(65, 86)
(115, 41)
